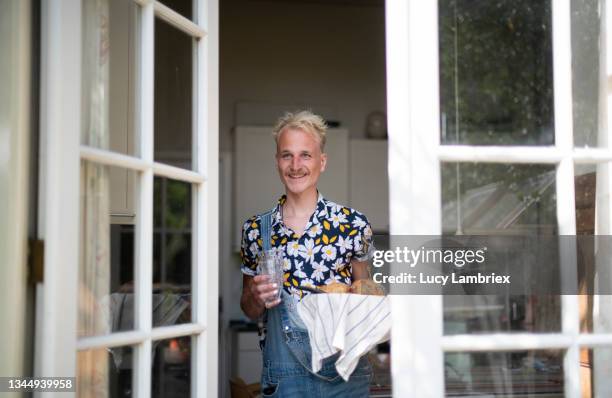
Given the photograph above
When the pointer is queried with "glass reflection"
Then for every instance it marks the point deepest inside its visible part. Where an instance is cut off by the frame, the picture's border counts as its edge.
(586, 72)
(173, 95)
(171, 373)
(491, 199)
(504, 374)
(171, 252)
(106, 269)
(496, 84)
(109, 74)
(483, 199)
(593, 249)
(105, 372)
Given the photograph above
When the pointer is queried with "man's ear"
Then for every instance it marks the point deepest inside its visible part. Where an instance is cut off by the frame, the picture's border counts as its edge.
(323, 161)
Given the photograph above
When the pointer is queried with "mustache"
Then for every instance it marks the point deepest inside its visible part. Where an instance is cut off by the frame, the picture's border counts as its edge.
(298, 171)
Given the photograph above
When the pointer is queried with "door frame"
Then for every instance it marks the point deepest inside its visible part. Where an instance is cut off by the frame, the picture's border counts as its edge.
(61, 155)
(415, 155)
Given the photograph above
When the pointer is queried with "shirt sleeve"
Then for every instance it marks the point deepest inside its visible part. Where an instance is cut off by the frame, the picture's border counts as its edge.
(363, 243)
(250, 247)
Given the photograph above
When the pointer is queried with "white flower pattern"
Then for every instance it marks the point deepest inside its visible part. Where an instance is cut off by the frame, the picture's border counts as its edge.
(308, 250)
(344, 244)
(329, 253)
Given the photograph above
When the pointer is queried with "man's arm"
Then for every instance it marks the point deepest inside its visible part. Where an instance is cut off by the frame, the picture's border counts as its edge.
(361, 270)
(255, 291)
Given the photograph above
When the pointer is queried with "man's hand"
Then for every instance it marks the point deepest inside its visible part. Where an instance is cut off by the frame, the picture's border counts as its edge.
(257, 295)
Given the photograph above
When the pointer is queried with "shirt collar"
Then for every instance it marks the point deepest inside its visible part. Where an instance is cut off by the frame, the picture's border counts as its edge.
(321, 206)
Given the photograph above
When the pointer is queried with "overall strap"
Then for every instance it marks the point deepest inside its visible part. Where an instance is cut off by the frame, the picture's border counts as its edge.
(266, 236)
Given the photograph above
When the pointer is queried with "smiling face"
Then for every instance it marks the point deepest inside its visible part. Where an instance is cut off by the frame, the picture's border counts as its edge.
(299, 160)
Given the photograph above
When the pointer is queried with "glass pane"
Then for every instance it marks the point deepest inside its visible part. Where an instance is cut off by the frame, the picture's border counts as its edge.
(491, 199)
(109, 75)
(173, 95)
(106, 271)
(504, 374)
(594, 253)
(486, 199)
(183, 7)
(586, 72)
(171, 374)
(105, 372)
(595, 370)
(496, 84)
(172, 253)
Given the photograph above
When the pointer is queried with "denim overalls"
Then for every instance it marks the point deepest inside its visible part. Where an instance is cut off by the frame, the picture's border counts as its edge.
(287, 367)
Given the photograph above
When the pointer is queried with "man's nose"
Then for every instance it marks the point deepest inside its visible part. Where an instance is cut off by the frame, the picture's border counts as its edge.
(296, 163)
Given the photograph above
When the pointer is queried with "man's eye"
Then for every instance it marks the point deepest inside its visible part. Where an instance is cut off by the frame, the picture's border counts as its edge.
(286, 156)
(306, 156)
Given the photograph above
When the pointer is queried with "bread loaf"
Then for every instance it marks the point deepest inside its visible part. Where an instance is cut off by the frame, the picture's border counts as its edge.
(335, 287)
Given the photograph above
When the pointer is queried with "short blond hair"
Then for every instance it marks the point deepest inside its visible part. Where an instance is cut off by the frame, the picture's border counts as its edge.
(302, 120)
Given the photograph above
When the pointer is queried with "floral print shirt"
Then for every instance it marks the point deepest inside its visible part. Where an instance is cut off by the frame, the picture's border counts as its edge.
(334, 236)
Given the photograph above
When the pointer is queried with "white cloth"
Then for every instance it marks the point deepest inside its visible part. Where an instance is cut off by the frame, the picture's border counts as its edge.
(350, 323)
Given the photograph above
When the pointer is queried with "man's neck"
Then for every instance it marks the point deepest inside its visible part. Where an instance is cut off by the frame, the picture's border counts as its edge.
(302, 204)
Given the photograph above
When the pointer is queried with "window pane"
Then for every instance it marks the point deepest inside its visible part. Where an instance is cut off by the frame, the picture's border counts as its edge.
(594, 253)
(172, 253)
(173, 95)
(171, 374)
(106, 271)
(492, 199)
(586, 45)
(105, 372)
(183, 7)
(109, 75)
(496, 84)
(485, 199)
(504, 374)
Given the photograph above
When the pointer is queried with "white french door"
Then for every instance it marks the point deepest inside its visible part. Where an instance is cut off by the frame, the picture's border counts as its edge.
(453, 131)
(129, 197)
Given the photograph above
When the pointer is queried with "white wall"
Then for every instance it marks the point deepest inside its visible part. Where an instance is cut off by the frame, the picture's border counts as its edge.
(302, 52)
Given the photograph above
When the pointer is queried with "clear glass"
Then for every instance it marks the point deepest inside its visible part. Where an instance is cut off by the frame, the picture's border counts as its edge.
(496, 81)
(504, 374)
(485, 199)
(492, 199)
(105, 372)
(171, 373)
(271, 264)
(588, 82)
(109, 75)
(171, 252)
(173, 96)
(595, 378)
(106, 269)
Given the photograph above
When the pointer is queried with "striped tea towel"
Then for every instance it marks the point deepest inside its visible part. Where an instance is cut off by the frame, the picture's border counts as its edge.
(350, 323)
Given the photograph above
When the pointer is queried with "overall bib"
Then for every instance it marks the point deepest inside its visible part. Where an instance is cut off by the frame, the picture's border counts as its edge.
(287, 367)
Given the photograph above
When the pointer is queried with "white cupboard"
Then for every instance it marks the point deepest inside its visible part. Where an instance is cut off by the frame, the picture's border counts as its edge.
(369, 181)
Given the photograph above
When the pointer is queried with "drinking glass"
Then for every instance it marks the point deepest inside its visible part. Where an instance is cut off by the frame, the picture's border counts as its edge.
(271, 264)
